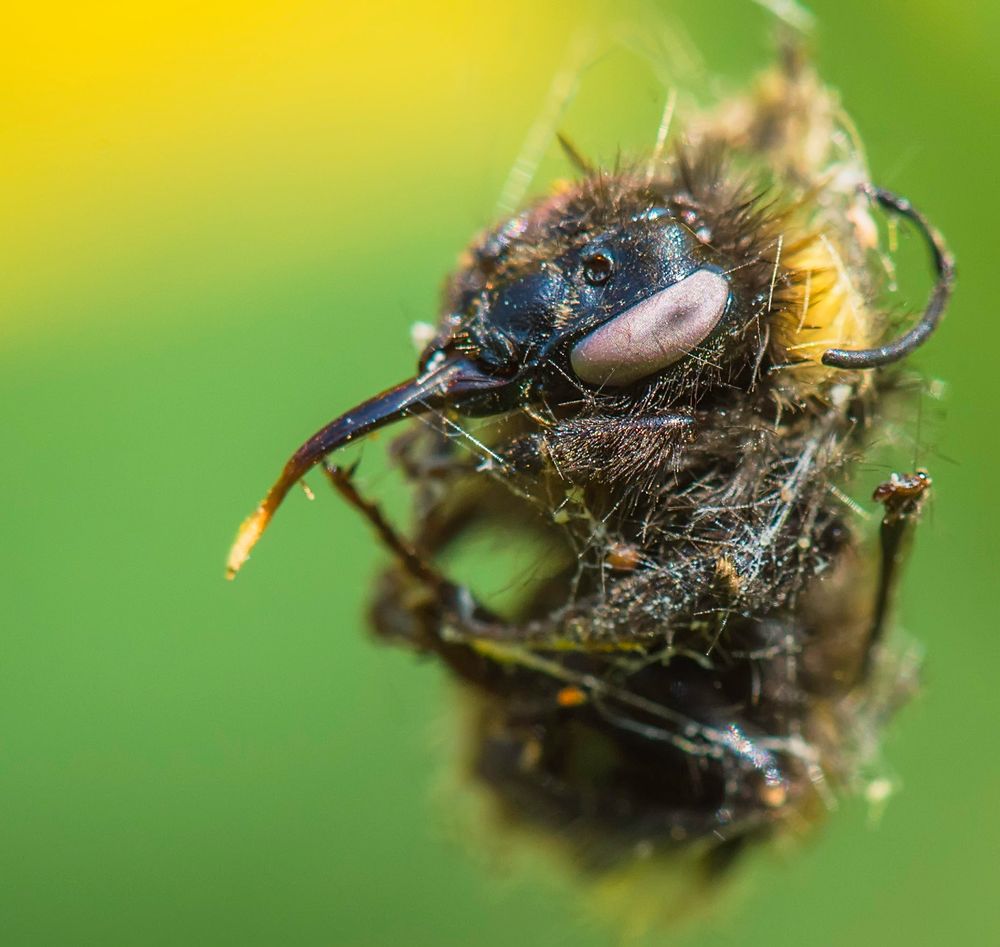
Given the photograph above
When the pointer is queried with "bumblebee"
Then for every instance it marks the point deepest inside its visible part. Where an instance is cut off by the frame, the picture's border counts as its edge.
(662, 372)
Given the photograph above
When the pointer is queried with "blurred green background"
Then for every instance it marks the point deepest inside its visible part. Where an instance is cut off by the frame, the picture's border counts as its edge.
(219, 222)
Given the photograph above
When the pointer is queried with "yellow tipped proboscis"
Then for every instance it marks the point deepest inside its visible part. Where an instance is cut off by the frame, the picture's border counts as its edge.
(449, 378)
(251, 529)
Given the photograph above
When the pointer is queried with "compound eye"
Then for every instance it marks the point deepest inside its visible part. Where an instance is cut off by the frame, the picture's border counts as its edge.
(598, 267)
(654, 333)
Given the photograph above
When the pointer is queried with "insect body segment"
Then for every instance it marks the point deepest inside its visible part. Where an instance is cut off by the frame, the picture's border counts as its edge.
(672, 373)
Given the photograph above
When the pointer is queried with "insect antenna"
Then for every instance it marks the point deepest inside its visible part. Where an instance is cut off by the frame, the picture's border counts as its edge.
(944, 267)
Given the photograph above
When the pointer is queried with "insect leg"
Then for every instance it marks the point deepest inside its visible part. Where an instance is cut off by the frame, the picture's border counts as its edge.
(410, 558)
(455, 602)
(902, 497)
(466, 662)
(605, 449)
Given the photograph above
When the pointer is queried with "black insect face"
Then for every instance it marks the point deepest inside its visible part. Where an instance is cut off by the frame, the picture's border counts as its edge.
(612, 310)
(568, 297)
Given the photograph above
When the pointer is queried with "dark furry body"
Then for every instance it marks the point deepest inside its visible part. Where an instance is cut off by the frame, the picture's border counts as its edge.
(713, 673)
(679, 362)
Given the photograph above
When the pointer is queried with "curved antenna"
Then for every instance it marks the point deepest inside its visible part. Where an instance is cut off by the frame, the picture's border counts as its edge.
(944, 267)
